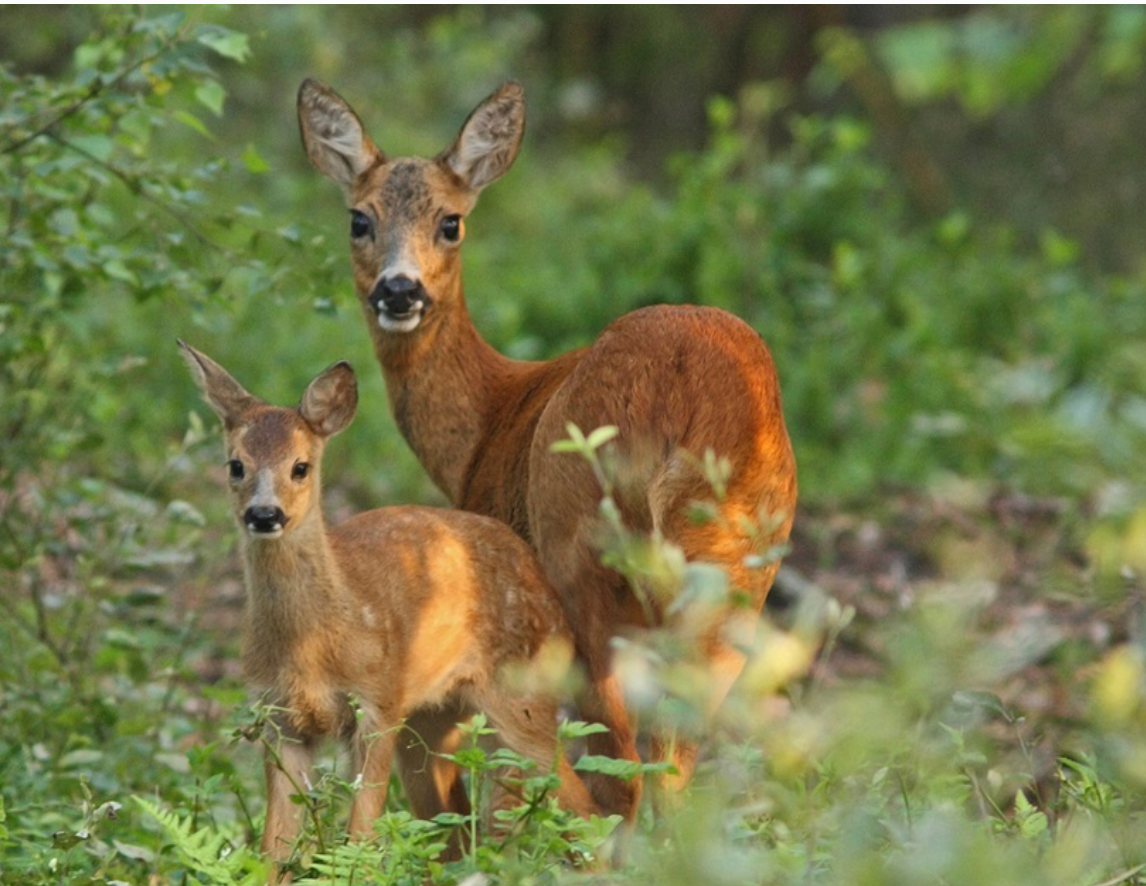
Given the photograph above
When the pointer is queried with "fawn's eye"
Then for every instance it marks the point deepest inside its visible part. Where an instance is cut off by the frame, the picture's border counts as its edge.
(300, 471)
(451, 228)
(359, 224)
(235, 469)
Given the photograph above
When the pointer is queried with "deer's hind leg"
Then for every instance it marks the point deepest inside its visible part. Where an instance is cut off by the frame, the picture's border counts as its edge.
(566, 534)
(589, 596)
(433, 784)
(737, 534)
(528, 726)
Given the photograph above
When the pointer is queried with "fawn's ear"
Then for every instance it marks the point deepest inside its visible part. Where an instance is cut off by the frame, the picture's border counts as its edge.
(226, 396)
(330, 401)
(490, 138)
(333, 136)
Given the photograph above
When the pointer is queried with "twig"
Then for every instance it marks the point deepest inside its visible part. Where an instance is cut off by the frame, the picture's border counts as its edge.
(42, 632)
(1123, 877)
(18, 619)
(138, 190)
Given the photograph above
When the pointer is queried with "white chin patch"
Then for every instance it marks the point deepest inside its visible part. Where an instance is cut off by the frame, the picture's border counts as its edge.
(408, 322)
(264, 536)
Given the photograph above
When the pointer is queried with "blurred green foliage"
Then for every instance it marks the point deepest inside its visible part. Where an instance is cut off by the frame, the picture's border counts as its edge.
(153, 187)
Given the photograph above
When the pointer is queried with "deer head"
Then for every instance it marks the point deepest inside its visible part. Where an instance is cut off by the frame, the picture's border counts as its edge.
(274, 454)
(407, 215)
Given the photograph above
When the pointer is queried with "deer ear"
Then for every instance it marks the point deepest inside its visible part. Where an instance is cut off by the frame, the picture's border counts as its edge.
(226, 396)
(333, 136)
(490, 138)
(330, 401)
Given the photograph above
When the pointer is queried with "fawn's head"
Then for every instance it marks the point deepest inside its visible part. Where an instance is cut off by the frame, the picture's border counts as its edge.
(274, 454)
(407, 214)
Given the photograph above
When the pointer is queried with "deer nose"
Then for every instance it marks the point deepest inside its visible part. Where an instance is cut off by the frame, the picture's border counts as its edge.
(398, 295)
(264, 519)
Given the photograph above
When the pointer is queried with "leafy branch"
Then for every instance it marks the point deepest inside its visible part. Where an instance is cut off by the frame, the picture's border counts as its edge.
(136, 185)
(97, 88)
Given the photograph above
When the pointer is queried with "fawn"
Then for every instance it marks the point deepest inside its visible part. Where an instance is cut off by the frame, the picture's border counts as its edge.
(676, 382)
(397, 613)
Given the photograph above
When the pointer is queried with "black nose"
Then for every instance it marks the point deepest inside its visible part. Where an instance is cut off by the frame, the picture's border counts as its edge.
(397, 295)
(264, 519)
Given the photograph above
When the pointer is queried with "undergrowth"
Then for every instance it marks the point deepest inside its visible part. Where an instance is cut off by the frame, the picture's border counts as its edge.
(928, 354)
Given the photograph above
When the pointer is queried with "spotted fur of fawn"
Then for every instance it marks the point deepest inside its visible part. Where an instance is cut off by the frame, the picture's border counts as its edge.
(676, 382)
(379, 623)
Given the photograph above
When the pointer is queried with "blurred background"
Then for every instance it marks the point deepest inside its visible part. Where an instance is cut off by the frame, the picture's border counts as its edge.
(933, 215)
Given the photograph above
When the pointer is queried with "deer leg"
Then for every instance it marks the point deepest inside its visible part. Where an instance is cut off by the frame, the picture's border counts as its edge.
(588, 594)
(287, 764)
(602, 701)
(718, 629)
(597, 601)
(528, 726)
(373, 755)
(434, 785)
(589, 598)
(668, 745)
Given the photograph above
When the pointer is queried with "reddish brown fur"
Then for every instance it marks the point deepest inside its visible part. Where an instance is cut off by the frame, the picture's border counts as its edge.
(413, 613)
(675, 381)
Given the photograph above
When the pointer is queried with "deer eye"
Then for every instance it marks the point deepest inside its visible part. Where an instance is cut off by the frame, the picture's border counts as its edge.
(235, 469)
(359, 224)
(300, 471)
(451, 228)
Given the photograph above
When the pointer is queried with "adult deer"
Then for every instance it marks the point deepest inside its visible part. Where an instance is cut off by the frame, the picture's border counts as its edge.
(675, 381)
(363, 630)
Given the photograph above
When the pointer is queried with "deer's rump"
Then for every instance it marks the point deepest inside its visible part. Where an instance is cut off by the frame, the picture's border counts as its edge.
(676, 381)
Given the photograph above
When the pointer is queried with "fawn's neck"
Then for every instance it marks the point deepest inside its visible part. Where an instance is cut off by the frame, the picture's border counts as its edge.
(293, 582)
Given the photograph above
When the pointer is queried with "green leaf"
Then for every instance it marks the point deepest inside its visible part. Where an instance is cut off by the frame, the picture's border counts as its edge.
(211, 95)
(255, 164)
(68, 840)
(1032, 822)
(468, 758)
(118, 638)
(98, 146)
(626, 770)
(1059, 251)
(80, 758)
(227, 43)
(117, 270)
(190, 120)
(580, 729)
(135, 853)
(566, 446)
(601, 436)
(576, 438)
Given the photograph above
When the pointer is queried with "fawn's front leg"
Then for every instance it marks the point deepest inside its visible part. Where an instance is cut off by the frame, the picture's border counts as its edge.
(373, 752)
(287, 765)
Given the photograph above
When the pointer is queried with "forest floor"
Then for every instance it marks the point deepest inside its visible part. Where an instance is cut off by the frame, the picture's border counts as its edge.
(1038, 618)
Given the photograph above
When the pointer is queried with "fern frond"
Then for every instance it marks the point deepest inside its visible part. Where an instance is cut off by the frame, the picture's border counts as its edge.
(210, 855)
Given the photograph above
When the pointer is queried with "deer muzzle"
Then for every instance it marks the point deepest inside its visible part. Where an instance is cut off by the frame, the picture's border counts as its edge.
(399, 303)
(264, 521)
